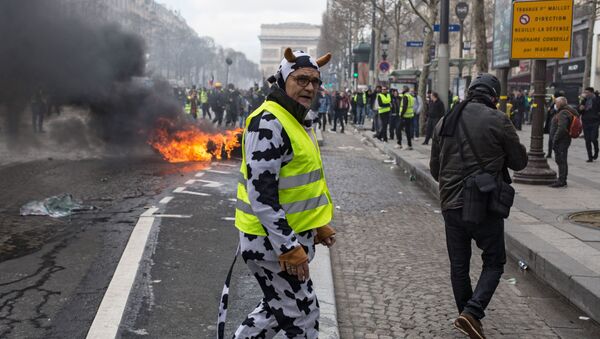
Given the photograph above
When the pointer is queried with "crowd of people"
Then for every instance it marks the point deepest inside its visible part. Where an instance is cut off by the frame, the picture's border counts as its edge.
(224, 107)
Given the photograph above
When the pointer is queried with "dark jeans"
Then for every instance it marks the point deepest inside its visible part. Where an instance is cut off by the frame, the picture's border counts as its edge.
(206, 111)
(590, 133)
(218, 116)
(339, 115)
(430, 128)
(394, 120)
(323, 120)
(561, 148)
(550, 147)
(384, 119)
(489, 237)
(517, 120)
(405, 123)
(416, 125)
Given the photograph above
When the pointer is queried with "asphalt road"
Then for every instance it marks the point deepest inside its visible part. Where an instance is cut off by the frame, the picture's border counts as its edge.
(55, 271)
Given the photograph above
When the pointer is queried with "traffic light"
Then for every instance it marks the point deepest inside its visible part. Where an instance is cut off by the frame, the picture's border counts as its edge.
(355, 68)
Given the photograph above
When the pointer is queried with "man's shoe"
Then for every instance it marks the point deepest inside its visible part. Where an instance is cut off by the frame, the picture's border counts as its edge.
(470, 325)
(589, 160)
(398, 146)
(558, 184)
(458, 326)
(410, 148)
(425, 143)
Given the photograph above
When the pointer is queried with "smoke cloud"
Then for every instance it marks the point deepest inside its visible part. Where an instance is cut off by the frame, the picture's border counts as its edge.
(77, 63)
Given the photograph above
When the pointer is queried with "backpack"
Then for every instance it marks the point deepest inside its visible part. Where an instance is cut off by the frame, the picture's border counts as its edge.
(575, 127)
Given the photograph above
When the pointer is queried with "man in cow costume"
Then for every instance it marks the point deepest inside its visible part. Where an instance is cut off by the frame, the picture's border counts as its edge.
(283, 204)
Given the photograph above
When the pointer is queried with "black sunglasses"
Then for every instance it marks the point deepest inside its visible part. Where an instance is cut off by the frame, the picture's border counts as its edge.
(303, 80)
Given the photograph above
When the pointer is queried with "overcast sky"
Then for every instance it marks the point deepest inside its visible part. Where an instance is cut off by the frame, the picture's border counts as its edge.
(236, 23)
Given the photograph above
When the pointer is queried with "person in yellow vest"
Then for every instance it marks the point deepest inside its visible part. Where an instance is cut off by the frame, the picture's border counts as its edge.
(204, 103)
(283, 204)
(407, 114)
(384, 100)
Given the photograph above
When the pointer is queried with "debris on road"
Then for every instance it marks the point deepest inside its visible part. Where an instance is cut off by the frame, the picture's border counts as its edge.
(523, 265)
(584, 318)
(511, 281)
(383, 211)
(56, 206)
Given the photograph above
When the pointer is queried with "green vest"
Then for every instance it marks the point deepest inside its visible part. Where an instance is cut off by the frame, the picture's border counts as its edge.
(303, 191)
(188, 105)
(386, 100)
(410, 110)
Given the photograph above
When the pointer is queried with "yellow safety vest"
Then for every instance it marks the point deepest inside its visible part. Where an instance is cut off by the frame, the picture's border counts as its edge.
(386, 100)
(188, 105)
(203, 97)
(303, 192)
(410, 111)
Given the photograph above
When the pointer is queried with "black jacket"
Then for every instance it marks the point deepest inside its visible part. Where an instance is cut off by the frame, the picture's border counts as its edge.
(500, 147)
(435, 110)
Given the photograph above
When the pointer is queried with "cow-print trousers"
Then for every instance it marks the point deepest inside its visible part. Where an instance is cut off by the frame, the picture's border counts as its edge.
(288, 304)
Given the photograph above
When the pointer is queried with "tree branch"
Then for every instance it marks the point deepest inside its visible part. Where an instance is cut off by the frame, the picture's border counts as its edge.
(412, 5)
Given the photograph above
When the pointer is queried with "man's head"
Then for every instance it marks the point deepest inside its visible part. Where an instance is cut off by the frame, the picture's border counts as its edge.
(560, 102)
(435, 96)
(487, 84)
(299, 75)
(405, 89)
(384, 89)
(588, 92)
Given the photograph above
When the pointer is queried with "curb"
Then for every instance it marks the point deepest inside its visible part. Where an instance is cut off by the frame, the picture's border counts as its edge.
(323, 279)
(319, 134)
(571, 279)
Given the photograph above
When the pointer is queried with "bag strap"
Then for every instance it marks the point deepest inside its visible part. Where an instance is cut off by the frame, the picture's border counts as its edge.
(225, 298)
(468, 137)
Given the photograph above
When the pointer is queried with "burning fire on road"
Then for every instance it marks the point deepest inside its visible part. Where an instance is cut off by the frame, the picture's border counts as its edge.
(190, 143)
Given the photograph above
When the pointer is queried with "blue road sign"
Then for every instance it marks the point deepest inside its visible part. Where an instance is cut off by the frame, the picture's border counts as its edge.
(414, 44)
(451, 28)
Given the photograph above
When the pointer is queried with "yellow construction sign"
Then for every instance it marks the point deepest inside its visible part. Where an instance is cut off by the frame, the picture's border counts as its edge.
(542, 29)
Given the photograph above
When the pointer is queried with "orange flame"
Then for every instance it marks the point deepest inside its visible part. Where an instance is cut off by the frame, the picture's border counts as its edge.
(193, 144)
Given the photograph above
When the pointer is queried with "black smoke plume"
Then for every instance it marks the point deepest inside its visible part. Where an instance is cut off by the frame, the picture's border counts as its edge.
(77, 62)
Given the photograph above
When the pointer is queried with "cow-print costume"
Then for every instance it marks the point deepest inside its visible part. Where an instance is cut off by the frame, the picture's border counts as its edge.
(288, 305)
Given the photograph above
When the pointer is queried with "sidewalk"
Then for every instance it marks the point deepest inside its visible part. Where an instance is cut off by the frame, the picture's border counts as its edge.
(538, 232)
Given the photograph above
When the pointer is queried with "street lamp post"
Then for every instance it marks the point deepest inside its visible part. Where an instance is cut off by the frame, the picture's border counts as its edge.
(537, 171)
(228, 61)
(461, 11)
(385, 44)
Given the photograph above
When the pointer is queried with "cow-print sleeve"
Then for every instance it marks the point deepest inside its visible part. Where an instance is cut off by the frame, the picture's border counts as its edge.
(268, 148)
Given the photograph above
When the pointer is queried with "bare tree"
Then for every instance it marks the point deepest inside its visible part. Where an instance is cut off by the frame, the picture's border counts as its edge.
(395, 15)
(427, 11)
(481, 58)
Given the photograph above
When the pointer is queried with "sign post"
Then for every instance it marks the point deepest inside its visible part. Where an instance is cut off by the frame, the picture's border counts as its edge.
(540, 30)
(461, 10)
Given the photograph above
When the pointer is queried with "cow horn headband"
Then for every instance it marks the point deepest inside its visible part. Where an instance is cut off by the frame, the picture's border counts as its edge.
(293, 61)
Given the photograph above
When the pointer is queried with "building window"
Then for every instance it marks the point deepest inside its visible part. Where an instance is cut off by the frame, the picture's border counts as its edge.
(579, 43)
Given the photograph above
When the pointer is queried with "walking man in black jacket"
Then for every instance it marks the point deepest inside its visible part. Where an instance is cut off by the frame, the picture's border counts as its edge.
(590, 118)
(435, 112)
(477, 122)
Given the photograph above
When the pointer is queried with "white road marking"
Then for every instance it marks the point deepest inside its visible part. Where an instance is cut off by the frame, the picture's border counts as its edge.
(182, 190)
(209, 183)
(149, 212)
(108, 318)
(229, 218)
(227, 165)
(232, 199)
(179, 216)
(199, 174)
(165, 200)
(218, 172)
